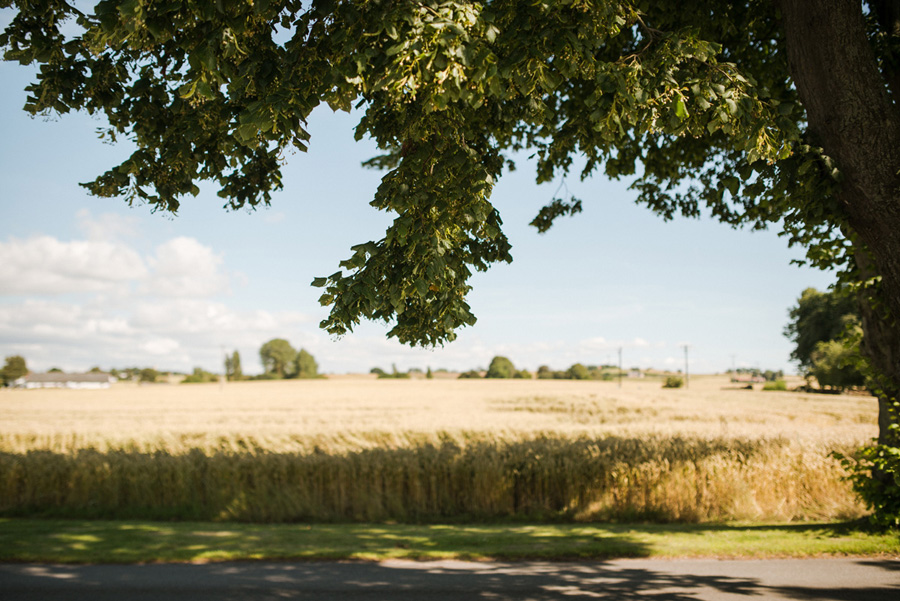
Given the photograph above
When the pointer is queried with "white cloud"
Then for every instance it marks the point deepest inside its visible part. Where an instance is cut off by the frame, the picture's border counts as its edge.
(183, 267)
(45, 265)
(274, 218)
(130, 310)
(106, 226)
(169, 334)
(160, 346)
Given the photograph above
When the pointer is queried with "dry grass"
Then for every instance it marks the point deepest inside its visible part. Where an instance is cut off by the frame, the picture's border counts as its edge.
(419, 450)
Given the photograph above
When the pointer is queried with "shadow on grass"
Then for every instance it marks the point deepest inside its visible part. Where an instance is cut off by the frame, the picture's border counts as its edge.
(81, 541)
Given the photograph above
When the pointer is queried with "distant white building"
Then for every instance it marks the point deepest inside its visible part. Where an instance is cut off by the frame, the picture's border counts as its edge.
(92, 380)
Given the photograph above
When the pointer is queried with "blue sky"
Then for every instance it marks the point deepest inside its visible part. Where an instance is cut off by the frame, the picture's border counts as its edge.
(87, 281)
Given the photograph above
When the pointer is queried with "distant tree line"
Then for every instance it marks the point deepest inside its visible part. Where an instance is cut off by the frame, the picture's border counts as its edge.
(769, 375)
(502, 367)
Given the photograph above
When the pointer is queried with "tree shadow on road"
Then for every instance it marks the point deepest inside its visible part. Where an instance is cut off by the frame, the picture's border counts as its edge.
(451, 580)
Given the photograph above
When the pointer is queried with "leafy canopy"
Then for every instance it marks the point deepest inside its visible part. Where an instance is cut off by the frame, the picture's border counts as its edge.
(501, 367)
(306, 365)
(819, 317)
(278, 358)
(14, 367)
(690, 99)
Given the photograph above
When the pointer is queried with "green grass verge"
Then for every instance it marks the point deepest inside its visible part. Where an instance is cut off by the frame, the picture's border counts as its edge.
(79, 541)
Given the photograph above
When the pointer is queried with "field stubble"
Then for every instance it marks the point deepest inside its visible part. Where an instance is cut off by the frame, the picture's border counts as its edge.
(438, 450)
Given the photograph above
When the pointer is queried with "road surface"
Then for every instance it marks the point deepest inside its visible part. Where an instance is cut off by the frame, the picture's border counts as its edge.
(629, 579)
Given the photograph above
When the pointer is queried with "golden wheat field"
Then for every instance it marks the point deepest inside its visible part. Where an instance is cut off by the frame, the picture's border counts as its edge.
(427, 450)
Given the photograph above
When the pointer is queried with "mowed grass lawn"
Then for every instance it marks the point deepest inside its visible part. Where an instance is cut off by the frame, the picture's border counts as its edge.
(423, 463)
(79, 541)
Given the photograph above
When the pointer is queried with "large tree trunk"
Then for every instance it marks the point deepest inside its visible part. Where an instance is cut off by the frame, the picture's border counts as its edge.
(851, 115)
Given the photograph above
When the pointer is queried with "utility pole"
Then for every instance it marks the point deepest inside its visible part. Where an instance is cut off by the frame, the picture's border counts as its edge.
(687, 378)
(620, 367)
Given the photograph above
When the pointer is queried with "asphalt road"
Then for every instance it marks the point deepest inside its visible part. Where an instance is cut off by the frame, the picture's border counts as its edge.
(675, 580)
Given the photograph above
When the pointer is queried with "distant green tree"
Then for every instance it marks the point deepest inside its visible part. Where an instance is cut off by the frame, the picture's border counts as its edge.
(278, 358)
(13, 369)
(470, 375)
(233, 370)
(306, 365)
(523, 374)
(772, 375)
(578, 372)
(818, 317)
(54, 370)
(545, 373)
(501, 367)
(428, 374)
(148, 374)
(835, 364)
(377, 371)
(95, 370)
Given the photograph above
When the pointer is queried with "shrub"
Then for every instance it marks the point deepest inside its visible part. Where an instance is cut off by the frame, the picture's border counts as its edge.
(200, 376)
(875, 474)
(775, 385)
(522, 374)
(673, 382)
(471, 374)
(398, 375)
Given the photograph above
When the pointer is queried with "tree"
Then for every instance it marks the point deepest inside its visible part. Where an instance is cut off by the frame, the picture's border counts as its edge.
(578, 372)
(278, 358)
(233, 370)
(545, 373)
(762, 112)
(818, 317)
(501, 367)
(13, 369)
(148, 375)
(835, 364)
(306, 365)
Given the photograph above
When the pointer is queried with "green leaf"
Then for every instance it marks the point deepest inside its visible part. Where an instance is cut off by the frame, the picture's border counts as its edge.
(732, 183)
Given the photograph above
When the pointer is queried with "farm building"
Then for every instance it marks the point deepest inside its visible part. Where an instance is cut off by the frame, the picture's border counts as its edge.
(64, 380)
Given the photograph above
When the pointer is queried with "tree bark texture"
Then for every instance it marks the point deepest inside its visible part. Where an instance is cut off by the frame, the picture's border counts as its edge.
(852, 116)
